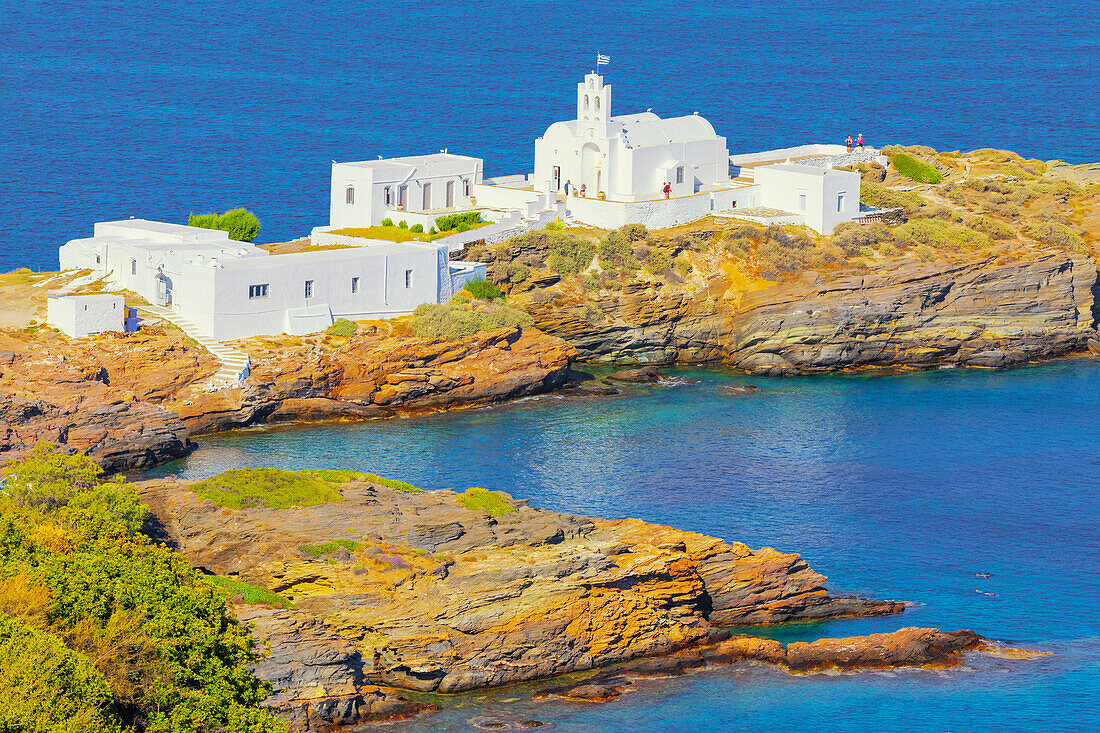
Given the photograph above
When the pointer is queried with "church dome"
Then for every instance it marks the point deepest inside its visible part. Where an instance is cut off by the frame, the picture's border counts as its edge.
(648, 130)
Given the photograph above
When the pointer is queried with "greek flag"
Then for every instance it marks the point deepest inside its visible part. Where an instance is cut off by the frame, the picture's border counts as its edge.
(601, 59)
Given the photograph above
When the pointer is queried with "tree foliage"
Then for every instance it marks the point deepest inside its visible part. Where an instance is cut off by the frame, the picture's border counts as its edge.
(147, 643)
(242, 224)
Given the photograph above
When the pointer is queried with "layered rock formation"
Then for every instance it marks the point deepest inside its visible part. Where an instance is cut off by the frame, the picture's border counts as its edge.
(373, 375)
(916, 314)
(133, 401)
(905, 313)
(101, 397)
(413, 590)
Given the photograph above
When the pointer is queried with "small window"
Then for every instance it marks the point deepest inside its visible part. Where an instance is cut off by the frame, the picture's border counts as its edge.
(387, 196)
(133, 267)
(597, 104)
(408, 278)
(355, 285)
(465, 186)
(840, 202)
(680, 174)
(85, 307)
(801, 202)
(309, 288)
(585, 102)
(349, 195)
(97, 259)
(257, 291)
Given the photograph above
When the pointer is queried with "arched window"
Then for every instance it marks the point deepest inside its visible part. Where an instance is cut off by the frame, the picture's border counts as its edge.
(465, 186)
(350, 195)
(585, 102)
(387, 196)
(597, 104)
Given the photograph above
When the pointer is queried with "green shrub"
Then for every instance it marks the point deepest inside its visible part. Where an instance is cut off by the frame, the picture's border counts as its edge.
(456, 320)
(873, 194)
(451, 221)
(327, 548)
(483, 289)
(418, 228)
(462, 227)
(431, 231)
(402, 224)
(617, 248)
(915, 168)
(682, 265)
(338, 476)
(342, 327)
(170, 656)
(241, 224)
(387, 222)
(569, 254)
(590, 281)
(248, 594)
(658, 261)
(555, 225)
(49, 687)
(1056, 234)
(995, 228)
(276, 489)
(940, 235)
(496, 503)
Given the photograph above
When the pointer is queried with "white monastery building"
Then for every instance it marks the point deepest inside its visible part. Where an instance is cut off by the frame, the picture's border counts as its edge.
(598, 169)
(234, 290)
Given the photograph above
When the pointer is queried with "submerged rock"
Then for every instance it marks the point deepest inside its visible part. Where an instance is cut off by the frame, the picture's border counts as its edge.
(641, 375)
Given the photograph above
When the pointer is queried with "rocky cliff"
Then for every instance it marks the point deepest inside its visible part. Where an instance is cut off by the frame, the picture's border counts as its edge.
(917, 314)
(903, 313)
(133, 400)
(407, 589)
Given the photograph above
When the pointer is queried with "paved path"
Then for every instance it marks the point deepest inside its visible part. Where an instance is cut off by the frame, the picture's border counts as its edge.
(235, 364)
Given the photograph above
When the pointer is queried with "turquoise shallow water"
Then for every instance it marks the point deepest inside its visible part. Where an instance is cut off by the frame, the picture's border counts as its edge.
(899, 487)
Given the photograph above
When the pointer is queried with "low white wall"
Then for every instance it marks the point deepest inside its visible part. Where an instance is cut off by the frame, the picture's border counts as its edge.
(657, 214)
(784, 153)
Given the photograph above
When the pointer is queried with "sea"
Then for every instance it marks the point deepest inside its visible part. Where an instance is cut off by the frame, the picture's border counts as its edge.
(900, 486)
(112, 109)
(903, 486)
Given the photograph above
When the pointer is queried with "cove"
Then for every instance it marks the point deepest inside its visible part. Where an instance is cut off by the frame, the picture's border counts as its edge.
(897, 486)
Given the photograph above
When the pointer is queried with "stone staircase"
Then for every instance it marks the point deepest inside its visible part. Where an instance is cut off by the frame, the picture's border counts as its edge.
(234, 365)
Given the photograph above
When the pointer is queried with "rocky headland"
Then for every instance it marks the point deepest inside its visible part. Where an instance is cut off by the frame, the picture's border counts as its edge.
(384, 588)
(993, 266)
(131, 401)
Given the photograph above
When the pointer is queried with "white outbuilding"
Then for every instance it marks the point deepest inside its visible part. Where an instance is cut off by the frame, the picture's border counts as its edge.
(84, 315)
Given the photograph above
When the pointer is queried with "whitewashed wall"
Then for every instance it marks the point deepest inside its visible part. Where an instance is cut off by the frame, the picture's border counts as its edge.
(83, 315)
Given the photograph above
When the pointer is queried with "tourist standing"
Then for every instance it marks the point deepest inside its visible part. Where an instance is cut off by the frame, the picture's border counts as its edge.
(584, 188)
(859, 142)
(568, 183)
(848, 142)
(668, 189)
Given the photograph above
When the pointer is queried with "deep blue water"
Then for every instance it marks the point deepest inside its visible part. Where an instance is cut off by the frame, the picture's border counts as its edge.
(900, 487)
(157, 109)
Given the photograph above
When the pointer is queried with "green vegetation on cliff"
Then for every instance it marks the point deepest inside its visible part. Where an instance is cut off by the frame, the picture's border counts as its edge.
(102, 630)
(915, 169)
(496, 503)
(249, 594)
(239, 488)
(463, 316)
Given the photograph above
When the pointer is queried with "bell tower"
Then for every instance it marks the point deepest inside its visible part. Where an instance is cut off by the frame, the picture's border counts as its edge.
(593, 106)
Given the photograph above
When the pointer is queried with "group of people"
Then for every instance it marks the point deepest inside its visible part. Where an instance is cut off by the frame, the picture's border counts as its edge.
(858, 142)
(665, 189)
